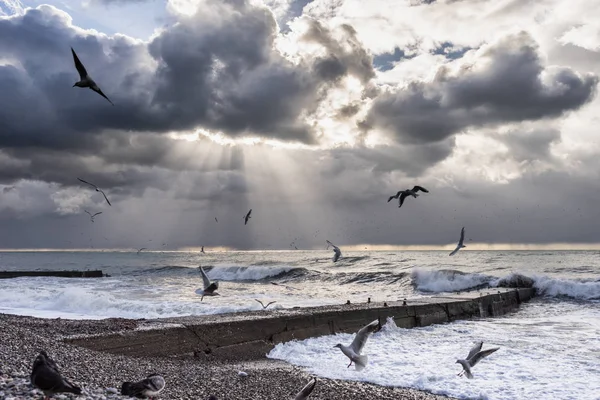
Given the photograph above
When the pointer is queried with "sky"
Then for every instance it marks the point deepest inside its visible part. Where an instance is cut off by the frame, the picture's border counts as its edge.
(310, 113)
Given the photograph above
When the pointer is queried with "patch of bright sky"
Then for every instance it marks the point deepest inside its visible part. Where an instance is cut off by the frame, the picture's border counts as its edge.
(135, 19)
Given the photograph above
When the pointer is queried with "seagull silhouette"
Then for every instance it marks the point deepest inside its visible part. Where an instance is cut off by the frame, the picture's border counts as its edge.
(268, 304)
(84, 79)
(247, 217)
(92, 216)
(460, 244)
(208, 286)
(97, 189)
(202, 250)
(143, 248)
(475, 355)
(336, 250)
(408, 192)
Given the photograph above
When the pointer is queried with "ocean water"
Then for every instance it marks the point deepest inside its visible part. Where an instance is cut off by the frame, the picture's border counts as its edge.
(549, 348)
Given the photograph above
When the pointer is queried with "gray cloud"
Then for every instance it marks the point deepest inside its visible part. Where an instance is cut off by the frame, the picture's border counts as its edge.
(530, 145)
(513, 85)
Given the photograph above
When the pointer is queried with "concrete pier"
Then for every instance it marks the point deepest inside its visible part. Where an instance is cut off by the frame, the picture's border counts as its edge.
(60, 274)
(250, 335)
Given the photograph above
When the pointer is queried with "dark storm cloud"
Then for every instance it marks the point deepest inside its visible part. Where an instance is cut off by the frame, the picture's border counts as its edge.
(512, 84)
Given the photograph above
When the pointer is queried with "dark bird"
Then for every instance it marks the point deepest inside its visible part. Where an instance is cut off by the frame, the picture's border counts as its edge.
(139, 251)
(92, 216)
(216, 220)
(202, 249)
(460, 244)
(353, 351)
(268, 304)
(475, 355)
(151, 386)
(209, 287)
(408, 192)
(306, 390)
(46, 376)
(97, 190)
(84, 79)
(247, 217)
(336, 250)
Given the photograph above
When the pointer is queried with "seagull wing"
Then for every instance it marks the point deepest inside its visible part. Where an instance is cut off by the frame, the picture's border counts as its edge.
(105, 198)
(306, 390)
(80, 68)
(269, 303)
(98, 213)
(337, 254)
(97, 90)
(462, 237)
(88, 183)
(204, 278)
(481, 355)
(261, 303)
(88, 213)
(474, 350)
(402, 197)
(361, 337)
(422, 189)
(455, 251)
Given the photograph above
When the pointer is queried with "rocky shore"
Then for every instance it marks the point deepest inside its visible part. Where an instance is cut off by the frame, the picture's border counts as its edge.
(100, 374)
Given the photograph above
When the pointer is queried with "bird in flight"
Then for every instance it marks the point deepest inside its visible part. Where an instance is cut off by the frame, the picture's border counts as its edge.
(97, 189)
(306, 390)
(408, 192)
(208, 286)
(92, 216)
(460, 244)
(202, 250)
(216, 220)
(336, 250)
(268, 304)
(84, 78)
(247, 217)
(143, 248)
(475, 355)
(353, 351)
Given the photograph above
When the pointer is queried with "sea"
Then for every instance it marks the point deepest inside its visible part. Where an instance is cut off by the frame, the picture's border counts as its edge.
(548, 349)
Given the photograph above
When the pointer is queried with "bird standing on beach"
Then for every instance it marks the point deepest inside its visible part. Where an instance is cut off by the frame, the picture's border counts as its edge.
(151, 386)
(247, 217)
(353, 351)
(209, 287)
(475, 355)
(306, 390)
(408, 192)
(92, 216)
(336, 250)
(84, 78)
(97, 190)
(46, 376)
(460, 244)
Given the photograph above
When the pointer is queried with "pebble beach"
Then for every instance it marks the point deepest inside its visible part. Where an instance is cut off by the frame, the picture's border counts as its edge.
(100, 374)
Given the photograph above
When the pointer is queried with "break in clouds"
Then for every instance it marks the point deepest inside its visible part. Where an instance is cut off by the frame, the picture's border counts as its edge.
(308, 115)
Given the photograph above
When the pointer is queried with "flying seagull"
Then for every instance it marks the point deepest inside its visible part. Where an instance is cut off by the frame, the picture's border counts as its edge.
(139, 251)
(408, 192)
(209, 287)
(306, 390)
(247, 217)
(84, 79)
(475, 355)
(202, 250)
(460, 244)
(92, 216)
(268, 304)
(353, 351)
(46, 376)
(336, 250)
(216, 220)
(97, 190)
(151, 386)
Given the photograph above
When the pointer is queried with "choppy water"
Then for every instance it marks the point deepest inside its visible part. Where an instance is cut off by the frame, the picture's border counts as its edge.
(549, 349)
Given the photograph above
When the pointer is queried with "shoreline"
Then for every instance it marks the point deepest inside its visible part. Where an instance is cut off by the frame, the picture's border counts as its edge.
(100, 373)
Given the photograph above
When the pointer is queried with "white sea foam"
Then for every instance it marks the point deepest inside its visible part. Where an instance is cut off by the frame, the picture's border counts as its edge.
(546, 352)
(446, 280)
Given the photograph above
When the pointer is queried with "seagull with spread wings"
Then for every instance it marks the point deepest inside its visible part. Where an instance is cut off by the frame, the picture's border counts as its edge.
(408, 192)
(84, 79)
(208, 286)
(268, 304)
(353, 351)
(97, 189)
(92, 216)
(247, 217)
(336, 250)
(460, 244)
(475, 355)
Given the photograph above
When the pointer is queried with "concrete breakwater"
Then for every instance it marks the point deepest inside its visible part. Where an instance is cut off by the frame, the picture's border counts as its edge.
(60, 274)
(250, 335)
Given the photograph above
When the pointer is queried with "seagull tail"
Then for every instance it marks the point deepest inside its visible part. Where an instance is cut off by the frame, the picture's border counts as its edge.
(468, 374)
(360, 362)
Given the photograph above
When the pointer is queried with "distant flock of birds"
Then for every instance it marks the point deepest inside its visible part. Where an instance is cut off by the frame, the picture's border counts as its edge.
(46, 376)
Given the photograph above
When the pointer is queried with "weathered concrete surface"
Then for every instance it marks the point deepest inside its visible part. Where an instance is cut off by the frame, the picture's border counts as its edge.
(60, 274)
(249, 335)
